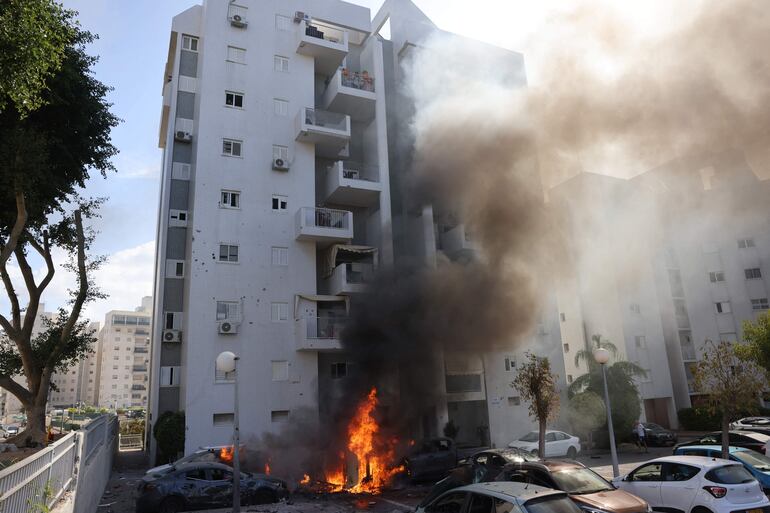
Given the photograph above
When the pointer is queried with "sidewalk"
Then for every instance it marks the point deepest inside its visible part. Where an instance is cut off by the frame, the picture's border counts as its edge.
(128, 469)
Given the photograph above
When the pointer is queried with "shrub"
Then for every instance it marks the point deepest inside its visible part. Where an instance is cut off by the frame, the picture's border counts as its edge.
(169, 431)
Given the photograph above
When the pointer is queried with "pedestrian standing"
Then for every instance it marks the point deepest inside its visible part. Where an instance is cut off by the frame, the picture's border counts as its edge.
(641, 440)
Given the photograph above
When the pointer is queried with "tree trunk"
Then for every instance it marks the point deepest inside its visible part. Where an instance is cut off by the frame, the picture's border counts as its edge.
(541, 440)
(725, 436)
(34, 434)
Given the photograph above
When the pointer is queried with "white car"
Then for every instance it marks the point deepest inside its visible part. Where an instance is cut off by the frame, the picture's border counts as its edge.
(751, 422)
(695, 484)
(557, 443)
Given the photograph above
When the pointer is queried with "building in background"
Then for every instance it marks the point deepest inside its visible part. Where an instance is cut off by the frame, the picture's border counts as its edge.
(122, 367)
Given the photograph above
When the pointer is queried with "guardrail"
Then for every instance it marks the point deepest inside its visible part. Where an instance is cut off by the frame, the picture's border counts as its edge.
(80, 461)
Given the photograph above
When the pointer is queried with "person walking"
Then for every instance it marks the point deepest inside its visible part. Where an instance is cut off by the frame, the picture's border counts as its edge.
(641, 439)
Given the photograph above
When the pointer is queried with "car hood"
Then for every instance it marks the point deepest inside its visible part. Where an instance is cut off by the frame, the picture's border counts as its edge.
(523, 445)
(616, 501)
(159, 469)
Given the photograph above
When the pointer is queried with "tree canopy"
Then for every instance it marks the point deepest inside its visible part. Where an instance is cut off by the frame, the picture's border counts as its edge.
(537, 385)
(757, 338)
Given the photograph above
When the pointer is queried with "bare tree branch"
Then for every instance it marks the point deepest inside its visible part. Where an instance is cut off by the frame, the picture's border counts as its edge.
(9, 246)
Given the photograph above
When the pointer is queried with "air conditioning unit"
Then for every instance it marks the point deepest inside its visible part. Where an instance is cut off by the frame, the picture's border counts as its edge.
(300, 16)
(280, 164)
(228, 327)
(183, 136)
(172, 336)
(236, 20)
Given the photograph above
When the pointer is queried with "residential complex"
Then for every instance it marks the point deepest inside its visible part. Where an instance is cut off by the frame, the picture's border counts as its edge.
(286, 161)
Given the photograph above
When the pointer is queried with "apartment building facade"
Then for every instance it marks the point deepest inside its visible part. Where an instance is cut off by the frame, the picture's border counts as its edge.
(123, 358)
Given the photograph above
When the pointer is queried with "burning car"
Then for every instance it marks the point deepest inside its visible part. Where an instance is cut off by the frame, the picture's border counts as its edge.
(214, 454)
(431, 458)
(194, 486)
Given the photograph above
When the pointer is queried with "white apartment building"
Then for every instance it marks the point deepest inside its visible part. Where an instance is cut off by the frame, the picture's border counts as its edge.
(123, 357)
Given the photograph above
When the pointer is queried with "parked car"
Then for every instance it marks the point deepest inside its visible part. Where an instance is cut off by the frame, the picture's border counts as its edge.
(591, 492)
(482, 467)
(693, 484)
(434, 457)
(657, 435)
(501, 498)
(746, 439)
(11, 431)
(203, 455)
(756, 463)
(749, 422)
(193, 486)
(557, 443)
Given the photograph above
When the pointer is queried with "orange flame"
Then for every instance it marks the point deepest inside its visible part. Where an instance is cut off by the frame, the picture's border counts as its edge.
(267, 468)
(226, 454)
(305, 479)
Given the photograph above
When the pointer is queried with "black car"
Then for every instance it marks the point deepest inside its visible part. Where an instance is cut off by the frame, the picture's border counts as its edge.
(192, 486)
(746, 439)
(658, 435)
(433, 457)
(482, 467)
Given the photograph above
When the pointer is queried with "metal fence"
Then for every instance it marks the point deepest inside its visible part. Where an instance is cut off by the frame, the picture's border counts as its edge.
(46, 475)
(130, 442)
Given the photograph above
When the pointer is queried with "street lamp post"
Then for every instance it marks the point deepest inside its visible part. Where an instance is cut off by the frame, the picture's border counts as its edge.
(227, 362)
(602, 356)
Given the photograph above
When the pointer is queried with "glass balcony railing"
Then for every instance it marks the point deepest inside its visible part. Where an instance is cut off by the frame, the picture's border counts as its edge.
(325, 119)
(325, 327)
(357, 80)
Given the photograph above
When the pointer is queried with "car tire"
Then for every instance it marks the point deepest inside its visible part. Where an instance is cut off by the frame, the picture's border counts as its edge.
(171, 505)
(700, 509)
(264, 497)
(571, 453)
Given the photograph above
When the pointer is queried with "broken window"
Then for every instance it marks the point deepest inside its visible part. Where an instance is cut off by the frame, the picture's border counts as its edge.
(339, 370)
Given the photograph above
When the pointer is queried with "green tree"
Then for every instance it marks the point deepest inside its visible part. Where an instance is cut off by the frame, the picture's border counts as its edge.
(169, 432)
(537, 385)
(41, 212)
(33, 37)
(757, 338)
(624, 395)
(732, 383)
(585, 413)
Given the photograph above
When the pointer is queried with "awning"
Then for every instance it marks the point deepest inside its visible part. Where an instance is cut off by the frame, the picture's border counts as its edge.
(331, 255)
(320, 299)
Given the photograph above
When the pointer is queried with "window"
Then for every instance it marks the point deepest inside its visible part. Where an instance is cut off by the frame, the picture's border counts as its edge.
(196, 475)
(462, 383)
(280, 256)
(759, 304)
(651, 472)
(114, 376)
(222, 419)
(279, 415)
(640, 342)
(635, 308)
(281, 152)
(281, 63)
(716, 276)
(569, 378)
(170, 321)
(230, 199)
(510, 363)
(280, 203)
(452, 503)
(280, 370)
(179, 269)
(282, 22)
(339, 370)
(729, 474)
(480, 503)
(280, 107)
(562, 317)
(234, 99)
(514, 401)
(223, 377)
(753, 273)
(228, 310)
(189, 43)
(723, 307)
(746, 243)
(169, 376)
(228, 253)
(231, 147)
(235, 54)
(279, 312)
(566, 348)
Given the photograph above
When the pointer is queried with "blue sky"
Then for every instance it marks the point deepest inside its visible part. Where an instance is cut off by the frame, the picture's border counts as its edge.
(132, 46)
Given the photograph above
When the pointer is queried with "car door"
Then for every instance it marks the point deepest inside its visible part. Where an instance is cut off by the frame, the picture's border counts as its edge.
(218, 491)
(551, 448)
(191, 484)
(679, 486)
(450, 503)
(645, 482)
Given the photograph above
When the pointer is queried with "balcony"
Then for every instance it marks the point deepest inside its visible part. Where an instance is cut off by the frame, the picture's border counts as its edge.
(140, 349)
(351, 92)
(326, 44)
(329, 131)
(350, 278)
(138, 387)
(319, 333)
(456, 242)
(140, 368)
(324, 225)
(351, 183)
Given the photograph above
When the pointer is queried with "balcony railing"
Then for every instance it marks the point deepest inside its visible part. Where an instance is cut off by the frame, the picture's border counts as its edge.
(326, 218)
(358, 171)
(326, 119)
(140, 349)
(325, 327)
(325, 32)
(140, 368)
(358, 273)
(357, 80)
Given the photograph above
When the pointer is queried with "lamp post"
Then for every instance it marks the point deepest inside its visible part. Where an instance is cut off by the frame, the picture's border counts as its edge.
(227, 362)
(602, 356)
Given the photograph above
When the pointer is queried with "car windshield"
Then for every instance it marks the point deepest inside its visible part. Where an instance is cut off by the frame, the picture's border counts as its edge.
(551, 505)
(753, 458)
(580, 481)
(532, 436)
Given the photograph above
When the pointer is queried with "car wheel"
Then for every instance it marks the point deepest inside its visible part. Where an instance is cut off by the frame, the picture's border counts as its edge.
(571, 453)
(264, 497)
(700, 509)
(171, 505)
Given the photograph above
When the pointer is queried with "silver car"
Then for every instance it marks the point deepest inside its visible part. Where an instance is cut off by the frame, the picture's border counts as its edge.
(501, 497)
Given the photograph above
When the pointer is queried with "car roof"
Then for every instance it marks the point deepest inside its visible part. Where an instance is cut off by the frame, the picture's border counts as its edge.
(203, 464)
(510, 491)
(714, 447)
(701, 461)
(503, 451)
(759, 437)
